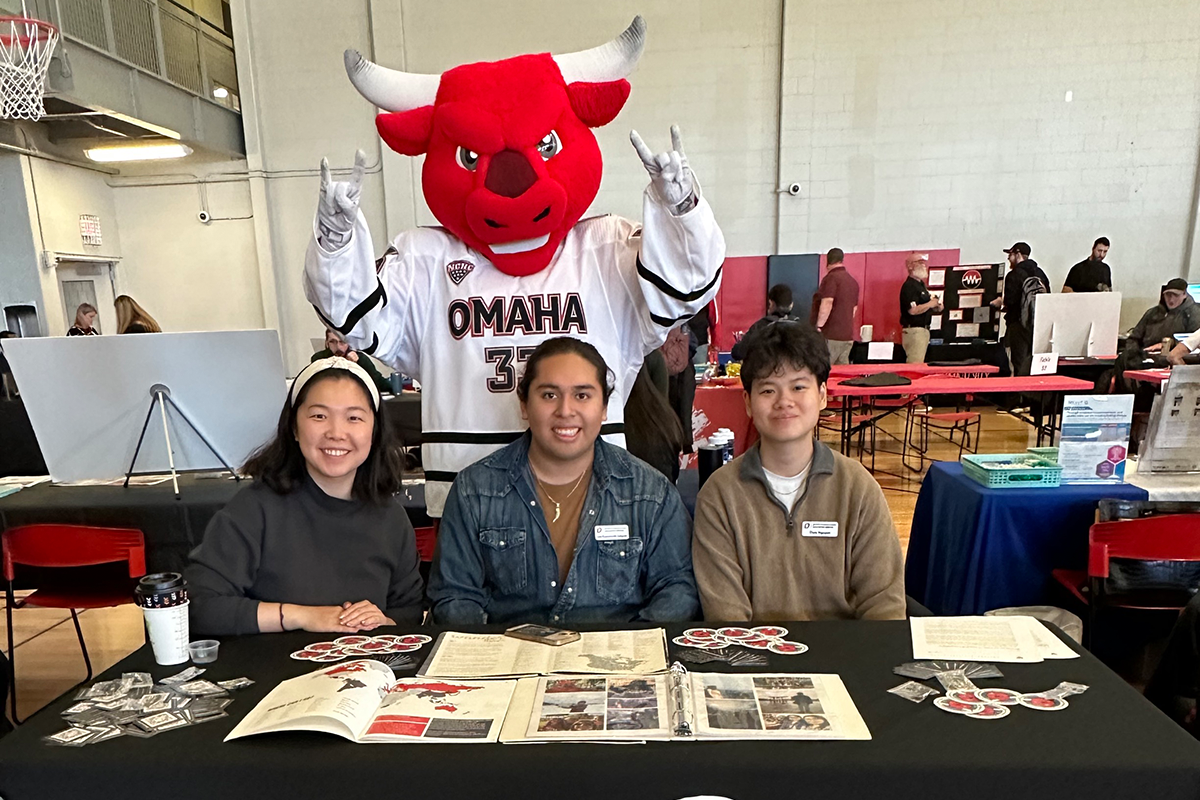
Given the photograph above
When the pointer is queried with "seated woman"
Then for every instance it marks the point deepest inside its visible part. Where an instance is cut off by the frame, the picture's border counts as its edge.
(85, 321)
(318, 542)
(132, 318)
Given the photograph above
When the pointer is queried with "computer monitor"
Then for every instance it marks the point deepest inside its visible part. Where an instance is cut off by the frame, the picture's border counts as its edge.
(1077, 324)
(1194, 291)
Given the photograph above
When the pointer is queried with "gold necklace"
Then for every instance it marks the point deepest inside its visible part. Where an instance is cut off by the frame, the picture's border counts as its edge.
(557, 505)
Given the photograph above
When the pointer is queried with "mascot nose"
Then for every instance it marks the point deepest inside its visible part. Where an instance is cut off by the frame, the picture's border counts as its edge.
(509, 174)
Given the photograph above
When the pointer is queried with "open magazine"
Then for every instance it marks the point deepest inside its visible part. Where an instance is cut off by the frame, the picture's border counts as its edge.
(363, 702)
(682, 705)
(494, 655)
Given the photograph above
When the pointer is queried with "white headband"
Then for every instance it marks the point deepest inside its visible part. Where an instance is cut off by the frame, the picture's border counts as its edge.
(334, 362)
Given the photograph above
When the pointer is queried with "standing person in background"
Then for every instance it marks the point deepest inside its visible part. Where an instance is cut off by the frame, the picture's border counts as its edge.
(132, 318)
(779, 306)
(839, 304)
(85, 319)
(335, 345)
(1091, 274)
(1024, 281)
(917, 306)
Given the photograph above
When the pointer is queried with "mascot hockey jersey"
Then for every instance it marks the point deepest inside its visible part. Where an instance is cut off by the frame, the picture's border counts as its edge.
(510, 167)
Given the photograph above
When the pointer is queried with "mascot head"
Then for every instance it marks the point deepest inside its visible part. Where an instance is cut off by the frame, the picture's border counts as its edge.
(510, 160)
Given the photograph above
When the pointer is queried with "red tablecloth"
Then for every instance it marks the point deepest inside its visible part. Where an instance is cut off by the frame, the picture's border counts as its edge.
(721, 407)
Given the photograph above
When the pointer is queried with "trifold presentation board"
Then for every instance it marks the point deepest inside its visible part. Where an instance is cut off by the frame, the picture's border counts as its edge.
(88, 398)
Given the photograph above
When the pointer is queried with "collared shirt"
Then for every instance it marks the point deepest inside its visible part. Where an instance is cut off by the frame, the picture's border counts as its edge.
(495, 561)
(914, 291)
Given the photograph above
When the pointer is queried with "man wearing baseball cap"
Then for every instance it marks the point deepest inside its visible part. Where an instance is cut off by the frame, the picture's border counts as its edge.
(1024, 281)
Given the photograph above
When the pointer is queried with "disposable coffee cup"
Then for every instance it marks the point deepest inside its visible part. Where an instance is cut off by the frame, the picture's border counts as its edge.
(866, 333)
(164, 602)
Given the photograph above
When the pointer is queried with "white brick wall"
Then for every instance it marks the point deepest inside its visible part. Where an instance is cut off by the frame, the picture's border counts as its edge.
(944, 124)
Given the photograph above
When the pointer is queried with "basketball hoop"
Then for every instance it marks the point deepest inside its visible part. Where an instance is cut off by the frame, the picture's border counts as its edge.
(26, 45)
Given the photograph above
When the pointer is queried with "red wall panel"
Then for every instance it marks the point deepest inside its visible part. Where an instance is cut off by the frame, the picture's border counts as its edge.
(879, 277)
(742, 298)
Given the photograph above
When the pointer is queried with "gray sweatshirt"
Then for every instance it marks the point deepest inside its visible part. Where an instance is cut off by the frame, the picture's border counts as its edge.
(305, 548)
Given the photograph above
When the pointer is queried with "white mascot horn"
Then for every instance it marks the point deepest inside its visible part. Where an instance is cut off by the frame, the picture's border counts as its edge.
(396, 91)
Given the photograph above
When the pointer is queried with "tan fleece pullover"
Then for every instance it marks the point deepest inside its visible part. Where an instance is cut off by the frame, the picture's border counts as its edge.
(835, 556)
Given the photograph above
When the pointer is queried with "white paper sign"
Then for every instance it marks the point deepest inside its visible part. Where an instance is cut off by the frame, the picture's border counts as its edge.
(1044, 364)
(879, 351)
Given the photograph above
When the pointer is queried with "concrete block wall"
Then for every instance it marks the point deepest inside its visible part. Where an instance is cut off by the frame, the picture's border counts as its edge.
(908, 123)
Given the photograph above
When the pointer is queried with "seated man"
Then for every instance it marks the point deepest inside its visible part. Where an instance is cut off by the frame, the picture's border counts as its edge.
(779, 306)
(560, 527)
(335, 345)
(1176, 312)
(791, 530)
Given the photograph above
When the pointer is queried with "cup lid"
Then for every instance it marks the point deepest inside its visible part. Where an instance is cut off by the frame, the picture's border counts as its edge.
(160, 583)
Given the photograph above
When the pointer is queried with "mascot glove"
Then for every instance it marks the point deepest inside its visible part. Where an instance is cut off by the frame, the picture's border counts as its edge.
(338, 206)
(669, 172)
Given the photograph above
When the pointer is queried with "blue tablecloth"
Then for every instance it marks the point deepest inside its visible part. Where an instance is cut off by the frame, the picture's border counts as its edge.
(973, 549)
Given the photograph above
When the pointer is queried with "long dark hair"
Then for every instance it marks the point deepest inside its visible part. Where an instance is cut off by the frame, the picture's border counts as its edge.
(281, 466)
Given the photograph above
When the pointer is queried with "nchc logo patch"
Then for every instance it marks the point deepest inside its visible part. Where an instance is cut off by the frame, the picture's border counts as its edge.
(459, 270)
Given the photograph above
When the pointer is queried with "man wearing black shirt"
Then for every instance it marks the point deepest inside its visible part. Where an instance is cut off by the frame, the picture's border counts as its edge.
(1091, 274)
(916, 308)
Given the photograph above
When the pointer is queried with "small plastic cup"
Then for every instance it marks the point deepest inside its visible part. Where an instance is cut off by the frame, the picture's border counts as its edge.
(203, 651)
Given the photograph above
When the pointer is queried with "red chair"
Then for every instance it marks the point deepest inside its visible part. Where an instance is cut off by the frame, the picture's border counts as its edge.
(1169, 537)
(52, 547)
(426, 541)
(945, 424)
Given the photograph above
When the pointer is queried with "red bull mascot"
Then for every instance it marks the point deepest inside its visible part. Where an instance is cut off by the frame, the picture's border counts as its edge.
(511, 165)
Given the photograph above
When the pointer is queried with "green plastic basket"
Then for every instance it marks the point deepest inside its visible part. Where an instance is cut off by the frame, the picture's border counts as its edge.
(1012, 470)
(1048, 453)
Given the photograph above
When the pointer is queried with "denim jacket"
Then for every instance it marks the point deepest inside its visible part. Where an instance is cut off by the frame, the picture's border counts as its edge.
(495, 561)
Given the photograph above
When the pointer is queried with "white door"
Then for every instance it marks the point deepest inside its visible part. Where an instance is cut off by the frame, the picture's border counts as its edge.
(88, 282)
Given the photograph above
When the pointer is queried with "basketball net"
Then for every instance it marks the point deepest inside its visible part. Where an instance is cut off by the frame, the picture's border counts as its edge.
(25, 48)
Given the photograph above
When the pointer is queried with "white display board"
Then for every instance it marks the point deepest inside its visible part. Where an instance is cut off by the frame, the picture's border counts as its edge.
(1077, 324)
(88, 397)
(1095, 437)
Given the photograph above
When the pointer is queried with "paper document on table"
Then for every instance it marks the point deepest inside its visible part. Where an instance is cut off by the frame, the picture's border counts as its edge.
(1005, 639)
(1048, 645)
(484, 655)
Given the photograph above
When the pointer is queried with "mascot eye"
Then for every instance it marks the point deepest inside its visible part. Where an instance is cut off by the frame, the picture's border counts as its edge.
(549, 146)
(468, 159)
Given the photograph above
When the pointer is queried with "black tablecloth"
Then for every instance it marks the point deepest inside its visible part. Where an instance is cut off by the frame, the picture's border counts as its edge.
(404, 413)
(19, 450)
(172, 526)
(1109, 743)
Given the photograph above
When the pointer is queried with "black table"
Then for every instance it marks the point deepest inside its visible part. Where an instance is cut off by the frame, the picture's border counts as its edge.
(1109, 743)
(172, 525)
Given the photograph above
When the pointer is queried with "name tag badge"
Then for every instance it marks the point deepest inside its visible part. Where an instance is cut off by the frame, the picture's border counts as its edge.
(611, 533)
(826, 530)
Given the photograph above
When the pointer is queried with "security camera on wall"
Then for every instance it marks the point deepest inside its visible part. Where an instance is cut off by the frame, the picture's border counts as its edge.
(204, 217)
(793, 189)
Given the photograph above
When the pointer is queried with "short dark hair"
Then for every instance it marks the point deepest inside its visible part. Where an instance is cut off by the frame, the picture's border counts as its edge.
(563, 345)
(280, 464)
(1102, 240)
(782, 344)
(780, 295)
(834, 256)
